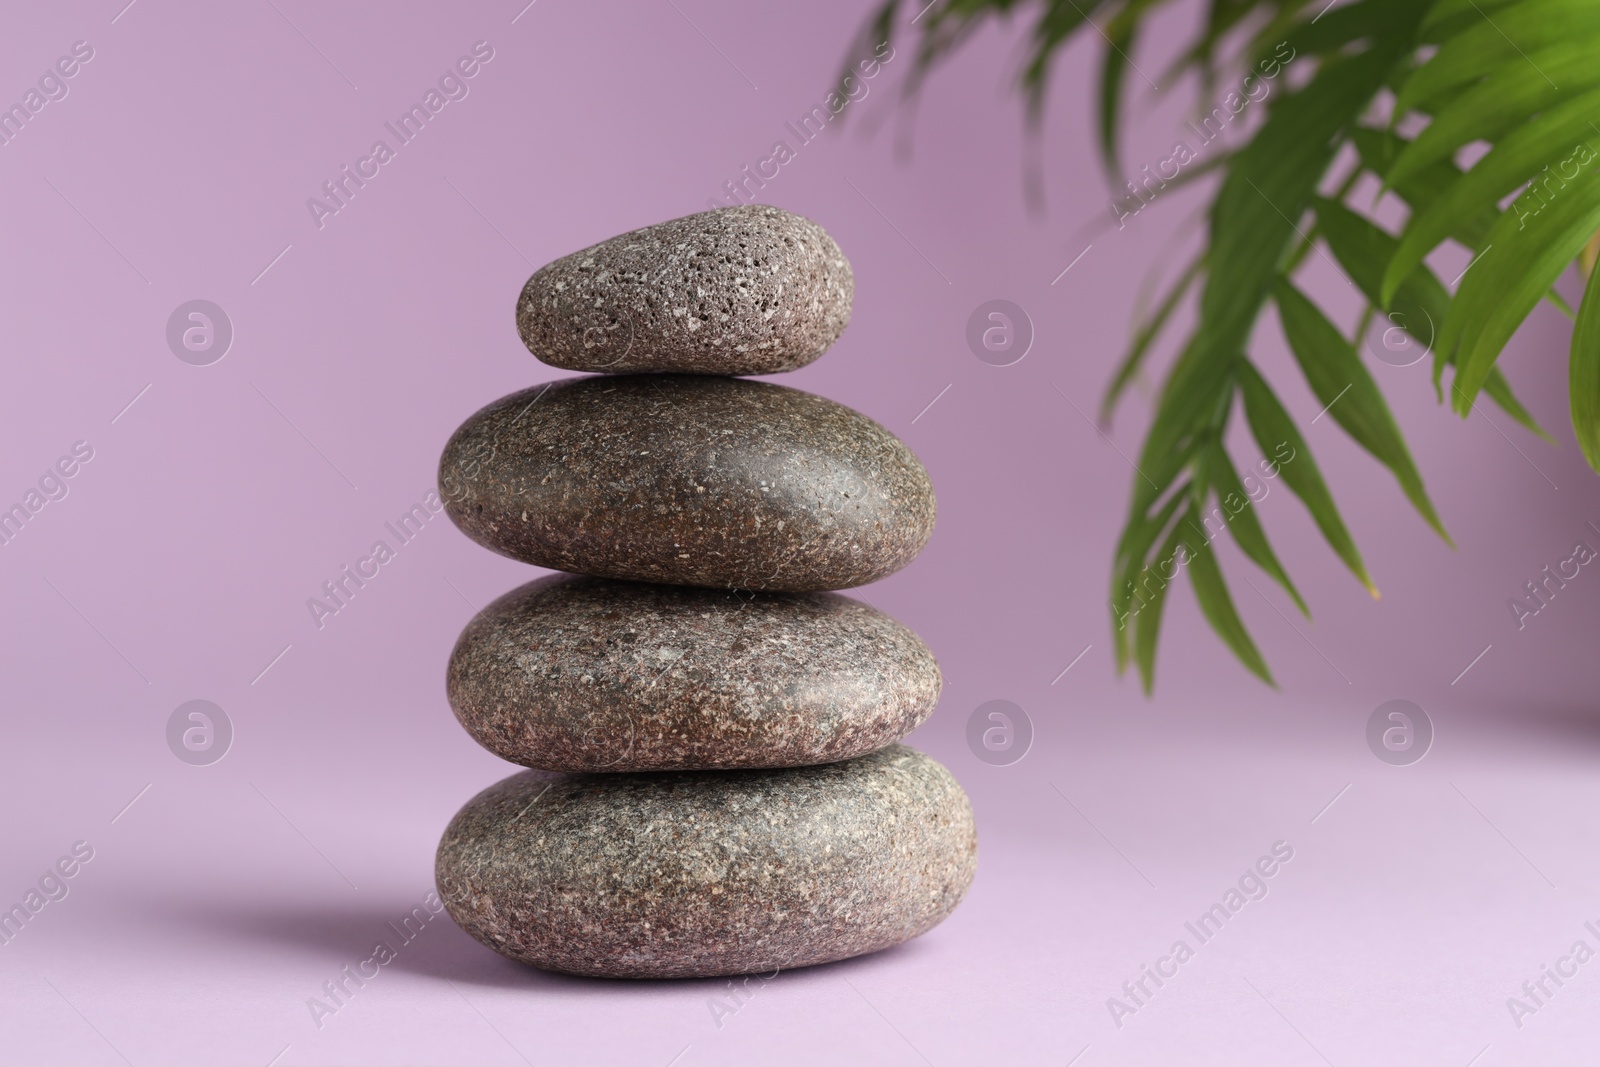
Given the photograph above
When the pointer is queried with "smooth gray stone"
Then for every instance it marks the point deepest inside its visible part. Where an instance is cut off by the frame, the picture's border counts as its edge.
(688, 480)
(589, 674)
(739, 290)
(709, 872)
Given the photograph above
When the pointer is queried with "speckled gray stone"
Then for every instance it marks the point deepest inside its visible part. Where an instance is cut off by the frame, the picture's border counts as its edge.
(739, 290)
(590, 674)
(688, 480)
(710, 872)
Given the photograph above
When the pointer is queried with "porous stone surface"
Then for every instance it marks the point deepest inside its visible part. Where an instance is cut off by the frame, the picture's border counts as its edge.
(712, 872)
(688, 480)
(590, 674)
(740, 290)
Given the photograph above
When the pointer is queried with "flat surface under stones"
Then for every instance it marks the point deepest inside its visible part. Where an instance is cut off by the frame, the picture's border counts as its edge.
(688, 480)
(589, 674)
(712, 872)
(740, 290)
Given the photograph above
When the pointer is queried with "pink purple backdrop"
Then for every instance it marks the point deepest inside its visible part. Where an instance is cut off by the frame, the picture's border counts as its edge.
(175, 164)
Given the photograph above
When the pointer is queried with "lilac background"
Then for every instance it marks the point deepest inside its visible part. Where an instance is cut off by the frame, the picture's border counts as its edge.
(179, 565)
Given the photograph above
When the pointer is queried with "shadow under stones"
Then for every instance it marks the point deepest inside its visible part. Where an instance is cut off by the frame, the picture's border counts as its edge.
(336, 934)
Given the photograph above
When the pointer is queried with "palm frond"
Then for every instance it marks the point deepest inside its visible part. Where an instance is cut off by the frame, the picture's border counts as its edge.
(1518, 75)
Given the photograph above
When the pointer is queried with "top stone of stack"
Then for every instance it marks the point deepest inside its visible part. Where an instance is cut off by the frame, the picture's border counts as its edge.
(739, 290)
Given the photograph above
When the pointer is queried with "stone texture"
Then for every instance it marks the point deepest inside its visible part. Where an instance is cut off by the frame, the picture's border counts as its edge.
(739, 290)
(711, 872)
(688, 480)
(589, 674)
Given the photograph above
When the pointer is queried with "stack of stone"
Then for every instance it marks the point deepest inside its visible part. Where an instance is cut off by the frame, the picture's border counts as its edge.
(718, 787)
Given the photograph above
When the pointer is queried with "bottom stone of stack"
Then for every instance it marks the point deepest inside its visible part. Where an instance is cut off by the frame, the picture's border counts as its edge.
(705, 873)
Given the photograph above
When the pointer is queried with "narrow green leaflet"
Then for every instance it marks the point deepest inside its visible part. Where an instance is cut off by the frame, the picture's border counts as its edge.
(1187, 411)
(1274, 430)
(1212, 592)
(1340, 380)
(1120, 34)
(1341, 26)
(1221, 17)
(1147, 624)
(1113, 66)
(1419, 308)
(1238, 509)
(1499, 390)
(1554, 141)
(1443, 17)
(1559, 302)
(1523, 258)
(1583, 375)
(1133, 550)
(1058, 22)
(1146, 335)
(1501, 102)
(1276, 29)
(879, 27)
(1486, 44)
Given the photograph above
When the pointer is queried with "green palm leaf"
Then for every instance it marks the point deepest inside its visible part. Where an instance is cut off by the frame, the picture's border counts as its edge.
(1550, 138)
(1334, 370)
(1212, 592)
(1487, 44)
(1273, 429)
(1238, 513)
(1502, 101)
(1131, 581)
(1148, 624)
(1522, 259)
(1583, 382)
(1518, 75)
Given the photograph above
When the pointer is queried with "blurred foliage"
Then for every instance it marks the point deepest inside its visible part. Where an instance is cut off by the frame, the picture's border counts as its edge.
(1515, 76)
